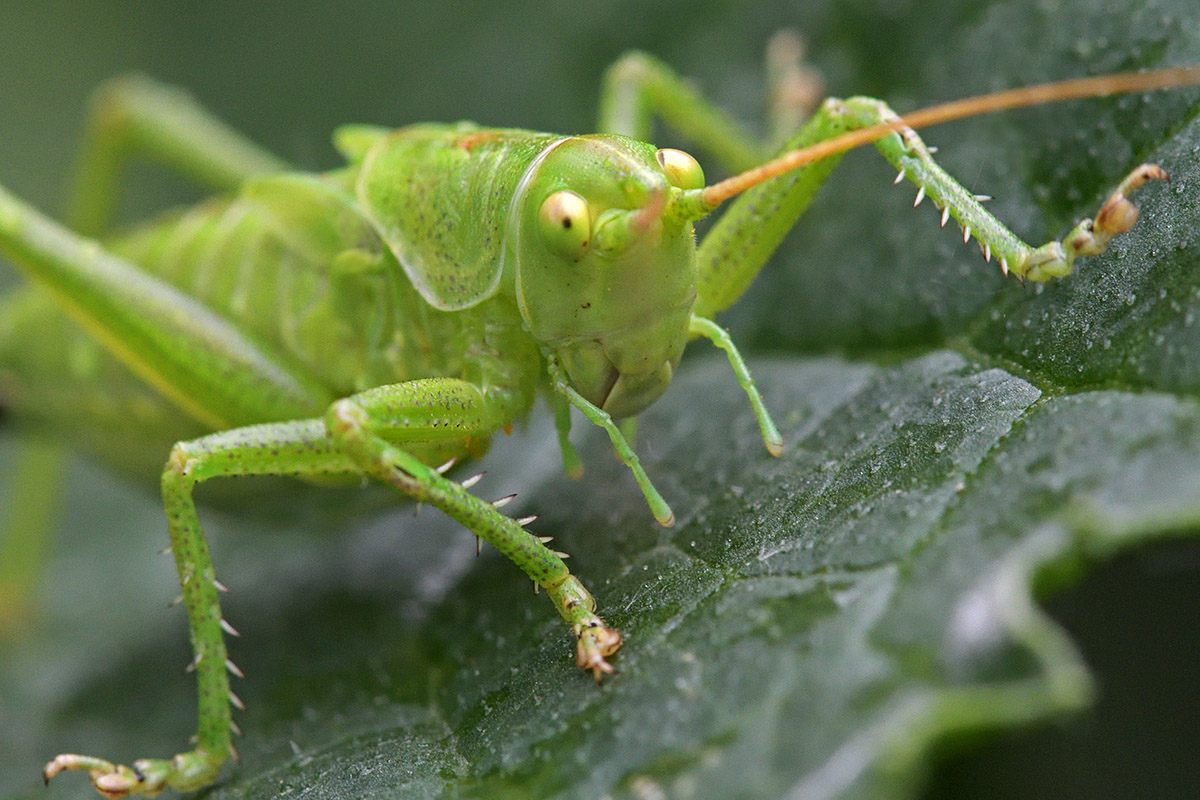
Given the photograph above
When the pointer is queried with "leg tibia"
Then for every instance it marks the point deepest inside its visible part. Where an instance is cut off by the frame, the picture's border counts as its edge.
(353, 423)
(347, 441)
(351, 426)
(135, 114)
(1055, 259)
(754, 225)
(720, 337)
(638, 87)
(294, 448)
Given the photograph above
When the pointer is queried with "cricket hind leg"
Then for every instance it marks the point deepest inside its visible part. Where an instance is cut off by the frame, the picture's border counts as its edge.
(28, 508)
(370, 434)
(136, 115)
(127, 115)
(36, 471)
(43, 359)
(30, 490)
(752, 228)
(794, 89)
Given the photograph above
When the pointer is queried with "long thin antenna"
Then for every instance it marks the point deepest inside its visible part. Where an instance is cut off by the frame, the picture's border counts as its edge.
(1099, 86)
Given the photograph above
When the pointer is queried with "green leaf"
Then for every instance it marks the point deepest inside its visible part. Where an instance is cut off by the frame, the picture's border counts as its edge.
(814, 625)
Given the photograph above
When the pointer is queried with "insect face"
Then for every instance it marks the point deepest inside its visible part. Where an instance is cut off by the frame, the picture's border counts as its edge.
(604, 277)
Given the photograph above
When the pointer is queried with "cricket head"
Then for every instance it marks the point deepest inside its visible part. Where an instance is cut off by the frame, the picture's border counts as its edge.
(605, 275)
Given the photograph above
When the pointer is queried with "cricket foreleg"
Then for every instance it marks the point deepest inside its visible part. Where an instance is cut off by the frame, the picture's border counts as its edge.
(135, 114)
(699, 326)
(598, 416)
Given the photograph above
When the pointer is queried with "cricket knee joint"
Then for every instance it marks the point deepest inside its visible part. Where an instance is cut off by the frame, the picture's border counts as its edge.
(349, 424)
(834, 107)
(346, 418)
(631, 68)
(863, 112)
(179, 468)
(868, 111)
(114, 100)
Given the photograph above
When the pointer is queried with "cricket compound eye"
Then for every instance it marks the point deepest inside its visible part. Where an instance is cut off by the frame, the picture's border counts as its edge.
(681, 169)
(566, 222)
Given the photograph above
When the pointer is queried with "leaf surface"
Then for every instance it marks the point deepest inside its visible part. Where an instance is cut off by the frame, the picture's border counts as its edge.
(814, 625)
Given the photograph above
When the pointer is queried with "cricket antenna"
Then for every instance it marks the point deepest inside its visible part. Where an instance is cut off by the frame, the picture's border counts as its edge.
(710, 197)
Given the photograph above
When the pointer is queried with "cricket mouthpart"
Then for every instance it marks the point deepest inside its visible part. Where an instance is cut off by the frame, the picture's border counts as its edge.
(629, 392)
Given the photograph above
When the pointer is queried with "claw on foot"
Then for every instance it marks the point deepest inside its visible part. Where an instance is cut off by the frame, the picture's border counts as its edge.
(594, 640)
(1118, 214)
(185, 772)
(594, 644)
(1090, 237)
(111, 780)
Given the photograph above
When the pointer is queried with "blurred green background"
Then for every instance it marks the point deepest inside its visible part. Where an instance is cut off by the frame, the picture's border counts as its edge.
(288, 73)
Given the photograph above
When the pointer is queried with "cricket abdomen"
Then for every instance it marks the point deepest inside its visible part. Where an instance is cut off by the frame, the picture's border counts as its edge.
(226, 254)
(298, 270)
(292, 264)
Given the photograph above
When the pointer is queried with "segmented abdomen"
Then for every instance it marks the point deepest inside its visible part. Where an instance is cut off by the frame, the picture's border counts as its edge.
(328, 302)
(225, 254)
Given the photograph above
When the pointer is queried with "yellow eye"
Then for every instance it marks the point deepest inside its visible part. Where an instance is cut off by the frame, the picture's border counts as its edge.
(565, 222)
(681, 170)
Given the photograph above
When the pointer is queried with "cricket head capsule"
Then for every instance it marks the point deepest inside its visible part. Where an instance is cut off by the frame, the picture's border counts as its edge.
(604, 276)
